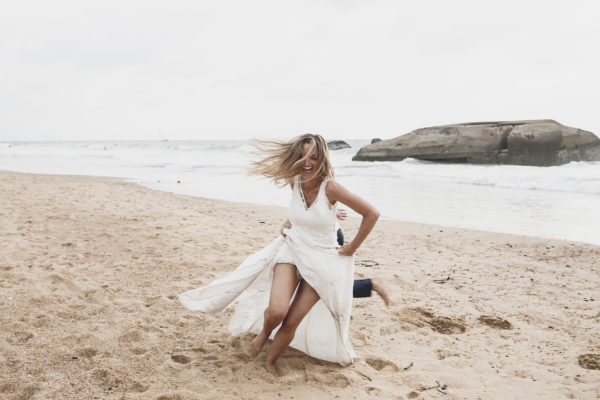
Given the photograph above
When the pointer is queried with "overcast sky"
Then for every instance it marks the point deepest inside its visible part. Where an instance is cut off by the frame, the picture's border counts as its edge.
(147, 70)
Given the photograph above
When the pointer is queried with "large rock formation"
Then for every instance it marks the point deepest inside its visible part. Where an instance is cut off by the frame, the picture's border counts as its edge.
(540, 142)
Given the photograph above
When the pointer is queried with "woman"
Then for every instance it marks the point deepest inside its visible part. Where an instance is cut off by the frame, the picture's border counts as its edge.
(361, 287)
(304, 261)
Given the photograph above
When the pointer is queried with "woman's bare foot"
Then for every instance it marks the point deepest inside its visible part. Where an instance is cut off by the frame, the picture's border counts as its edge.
(271, 368)
(257, 343)
(380, 289)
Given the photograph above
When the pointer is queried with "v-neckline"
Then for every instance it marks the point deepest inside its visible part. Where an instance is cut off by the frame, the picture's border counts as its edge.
(306, 206)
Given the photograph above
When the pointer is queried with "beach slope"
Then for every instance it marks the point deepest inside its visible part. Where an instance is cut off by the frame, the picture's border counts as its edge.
(90, 269)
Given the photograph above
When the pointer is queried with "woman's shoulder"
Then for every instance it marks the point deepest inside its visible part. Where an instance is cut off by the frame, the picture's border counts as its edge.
(332, 184)
(332, 189)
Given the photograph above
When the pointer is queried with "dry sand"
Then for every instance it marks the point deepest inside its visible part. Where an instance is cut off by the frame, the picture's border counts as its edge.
(90, 267)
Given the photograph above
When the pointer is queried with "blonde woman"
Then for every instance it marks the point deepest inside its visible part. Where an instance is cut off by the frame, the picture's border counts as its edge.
(298, 289)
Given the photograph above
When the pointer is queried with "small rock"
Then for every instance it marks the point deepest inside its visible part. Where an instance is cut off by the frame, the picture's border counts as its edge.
(337, 145)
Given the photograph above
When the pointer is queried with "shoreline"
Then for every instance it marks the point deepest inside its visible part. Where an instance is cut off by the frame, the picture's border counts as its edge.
(91, 267)
(355, 218)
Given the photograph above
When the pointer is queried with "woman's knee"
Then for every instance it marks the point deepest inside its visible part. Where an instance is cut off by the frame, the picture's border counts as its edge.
(276, 313)
(290, 325)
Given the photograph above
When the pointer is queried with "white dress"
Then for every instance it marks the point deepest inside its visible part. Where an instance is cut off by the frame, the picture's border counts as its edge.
(310, 245)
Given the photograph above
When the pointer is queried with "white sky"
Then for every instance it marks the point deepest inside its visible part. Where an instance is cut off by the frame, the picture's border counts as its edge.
(145, 70)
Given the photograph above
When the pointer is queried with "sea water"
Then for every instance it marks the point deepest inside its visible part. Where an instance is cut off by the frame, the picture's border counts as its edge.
(560, 202)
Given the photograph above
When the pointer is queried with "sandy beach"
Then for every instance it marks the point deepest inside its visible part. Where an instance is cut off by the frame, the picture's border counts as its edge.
(90, 269)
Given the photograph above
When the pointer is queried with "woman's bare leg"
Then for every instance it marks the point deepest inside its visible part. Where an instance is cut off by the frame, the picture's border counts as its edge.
(305, 299)
(285, 281)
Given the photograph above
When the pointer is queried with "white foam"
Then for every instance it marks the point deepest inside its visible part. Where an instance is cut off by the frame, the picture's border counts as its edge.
(559, 202)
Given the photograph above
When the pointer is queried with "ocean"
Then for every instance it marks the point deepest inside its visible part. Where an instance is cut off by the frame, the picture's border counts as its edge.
(554, 202)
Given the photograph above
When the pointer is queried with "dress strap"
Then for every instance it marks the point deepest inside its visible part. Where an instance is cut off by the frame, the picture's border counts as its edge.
(323, 184)
(325, 198)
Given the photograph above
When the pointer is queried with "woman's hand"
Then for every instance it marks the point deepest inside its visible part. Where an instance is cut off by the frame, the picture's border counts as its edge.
(286, 225)
(336, 192)
(346, 250)
(341, 214)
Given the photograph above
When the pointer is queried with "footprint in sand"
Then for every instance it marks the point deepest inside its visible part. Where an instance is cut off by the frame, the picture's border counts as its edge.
(373, 391)
(420, 317)
(380, 363)
(87, 352)
(27, 391)
(199, 350)
(169, 397)
(589, 361)
(151, 300)
(181, 359)
(243, 345)
(360, 339)
(327, 377)
(243, 357)
(20, 337)
(495, 322)
(58, 280)
(138, 351)
(337, 380)
(235, 342)
(106, 378)
(132, 335)
(413, 316)
(138, 387)
(446, 326)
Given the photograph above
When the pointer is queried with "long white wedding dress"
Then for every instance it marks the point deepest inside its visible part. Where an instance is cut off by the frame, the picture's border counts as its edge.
(310, 245)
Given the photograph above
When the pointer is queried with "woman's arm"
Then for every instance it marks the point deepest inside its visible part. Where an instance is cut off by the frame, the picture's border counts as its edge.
(336, 192)
(286, 225)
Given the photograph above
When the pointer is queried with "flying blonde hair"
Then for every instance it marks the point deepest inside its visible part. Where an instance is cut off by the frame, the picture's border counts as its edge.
(281, 161)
